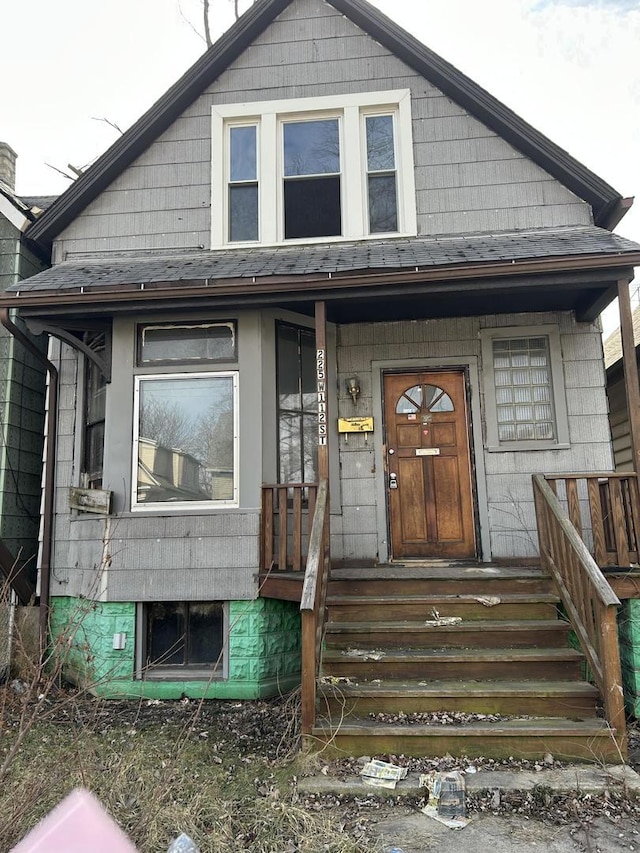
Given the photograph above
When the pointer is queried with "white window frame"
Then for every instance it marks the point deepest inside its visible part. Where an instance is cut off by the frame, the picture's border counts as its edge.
(183, 505)
(552, 333)
(269, 116)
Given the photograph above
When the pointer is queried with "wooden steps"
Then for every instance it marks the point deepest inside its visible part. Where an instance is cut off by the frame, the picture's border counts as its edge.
(567, 740)
(475, 633)
(470, 639)
(570, 698)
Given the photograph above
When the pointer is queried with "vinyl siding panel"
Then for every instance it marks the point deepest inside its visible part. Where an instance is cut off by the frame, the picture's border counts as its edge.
(467, 178)
(619, 424)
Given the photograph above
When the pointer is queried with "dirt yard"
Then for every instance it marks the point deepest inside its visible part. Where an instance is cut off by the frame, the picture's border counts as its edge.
(226, 773)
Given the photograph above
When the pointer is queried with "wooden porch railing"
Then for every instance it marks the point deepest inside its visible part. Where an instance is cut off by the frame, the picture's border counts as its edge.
(590, 603)
(312, 605)
(287, 512)
(605, 510)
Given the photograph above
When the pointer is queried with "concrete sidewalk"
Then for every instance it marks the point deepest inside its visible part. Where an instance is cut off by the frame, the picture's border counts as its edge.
(413, 832)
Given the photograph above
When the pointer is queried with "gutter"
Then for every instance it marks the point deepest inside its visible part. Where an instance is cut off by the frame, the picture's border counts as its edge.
(49, 473)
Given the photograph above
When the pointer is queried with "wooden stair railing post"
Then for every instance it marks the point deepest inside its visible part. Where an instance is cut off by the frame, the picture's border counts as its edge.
(312, 605)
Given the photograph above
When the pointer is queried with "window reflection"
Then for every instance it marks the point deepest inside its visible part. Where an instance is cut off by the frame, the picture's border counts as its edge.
(186, 438)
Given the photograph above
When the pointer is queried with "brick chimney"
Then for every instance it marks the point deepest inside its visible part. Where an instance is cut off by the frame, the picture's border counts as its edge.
(8, 159)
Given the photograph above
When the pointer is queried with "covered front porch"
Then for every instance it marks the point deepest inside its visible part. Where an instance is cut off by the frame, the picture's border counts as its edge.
(588, 528)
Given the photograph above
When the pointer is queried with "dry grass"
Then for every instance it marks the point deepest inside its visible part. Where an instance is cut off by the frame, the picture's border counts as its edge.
(161, 769)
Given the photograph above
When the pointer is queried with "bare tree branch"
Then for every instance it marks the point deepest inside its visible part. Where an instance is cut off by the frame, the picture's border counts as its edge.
(110, 123)
(187, 21)
(207, 31)
(60, 172)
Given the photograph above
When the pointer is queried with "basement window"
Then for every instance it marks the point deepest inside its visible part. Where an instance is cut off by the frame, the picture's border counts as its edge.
(183, 639)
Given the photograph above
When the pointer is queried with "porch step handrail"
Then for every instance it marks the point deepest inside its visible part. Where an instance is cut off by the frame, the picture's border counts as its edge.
(589, 601)
(312, 604)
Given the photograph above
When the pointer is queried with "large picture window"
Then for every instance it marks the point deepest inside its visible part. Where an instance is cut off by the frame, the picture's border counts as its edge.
(313, 168)
(185, 439)
(185, 423)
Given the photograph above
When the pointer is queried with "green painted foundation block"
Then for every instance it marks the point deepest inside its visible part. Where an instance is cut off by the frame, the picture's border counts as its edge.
(262, 653)
(629, 635)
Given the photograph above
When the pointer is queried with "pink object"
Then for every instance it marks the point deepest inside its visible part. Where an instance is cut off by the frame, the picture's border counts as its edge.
(78, 824)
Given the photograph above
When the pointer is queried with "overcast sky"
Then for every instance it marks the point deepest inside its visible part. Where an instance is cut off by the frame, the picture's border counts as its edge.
(569, 67)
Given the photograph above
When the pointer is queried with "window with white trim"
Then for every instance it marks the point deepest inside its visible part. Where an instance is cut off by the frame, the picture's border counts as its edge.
(326, 168)
(524, 389)
(185, 423)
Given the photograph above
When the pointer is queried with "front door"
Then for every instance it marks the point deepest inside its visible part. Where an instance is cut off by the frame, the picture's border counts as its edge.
(428, 466)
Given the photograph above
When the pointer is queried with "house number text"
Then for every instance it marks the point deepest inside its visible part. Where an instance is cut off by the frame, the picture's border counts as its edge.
(321, 377)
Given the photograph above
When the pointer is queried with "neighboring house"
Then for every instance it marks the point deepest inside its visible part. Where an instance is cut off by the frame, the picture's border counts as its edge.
(617, 395)
(321, 220)
(22, 382)
(22, 402)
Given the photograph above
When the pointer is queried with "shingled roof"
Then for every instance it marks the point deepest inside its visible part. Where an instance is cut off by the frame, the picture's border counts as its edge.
(608, 205)
(333, 258)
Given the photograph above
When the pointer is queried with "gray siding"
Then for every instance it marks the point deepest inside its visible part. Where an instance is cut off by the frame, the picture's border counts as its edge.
(619, 422)
(467, 178)
(507, 483)
(155, 554)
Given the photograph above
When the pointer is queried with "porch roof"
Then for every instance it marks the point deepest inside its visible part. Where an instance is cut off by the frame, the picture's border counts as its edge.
(424, 266)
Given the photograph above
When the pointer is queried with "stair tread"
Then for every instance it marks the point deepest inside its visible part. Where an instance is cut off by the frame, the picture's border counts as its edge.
(430, 570)
(335, 627)
(466, 687)
(509, 597)
(453, 654)
(543, 726)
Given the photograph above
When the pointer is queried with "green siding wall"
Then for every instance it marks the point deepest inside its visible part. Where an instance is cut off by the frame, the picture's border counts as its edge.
(22, 397)
(263, 654)
(629, 636)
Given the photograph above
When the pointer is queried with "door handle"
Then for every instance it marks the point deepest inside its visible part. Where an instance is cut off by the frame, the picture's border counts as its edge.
(393, 481)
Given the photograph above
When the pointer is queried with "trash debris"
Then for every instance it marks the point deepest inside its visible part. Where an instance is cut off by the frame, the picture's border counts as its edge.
(488, 600)
(441, 621)
(488, 571)
(382, 774)
(446, 802)
(183, 844)
(335, 679)
(365, 654)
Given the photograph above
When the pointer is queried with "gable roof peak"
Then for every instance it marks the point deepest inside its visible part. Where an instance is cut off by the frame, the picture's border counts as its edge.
(608, 205)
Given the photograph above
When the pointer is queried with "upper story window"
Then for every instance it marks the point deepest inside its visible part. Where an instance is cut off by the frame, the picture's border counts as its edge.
(326, 168)
(524, 389)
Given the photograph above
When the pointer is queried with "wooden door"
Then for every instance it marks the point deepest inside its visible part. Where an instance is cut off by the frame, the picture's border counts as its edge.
(428, 465)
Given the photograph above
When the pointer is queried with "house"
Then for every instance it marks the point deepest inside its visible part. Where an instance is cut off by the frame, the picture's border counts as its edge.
(22, 389)
(22, 402)
(326, 302)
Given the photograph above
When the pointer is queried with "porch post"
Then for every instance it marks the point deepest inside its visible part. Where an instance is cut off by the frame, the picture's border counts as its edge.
(321, 372)
(630, 366)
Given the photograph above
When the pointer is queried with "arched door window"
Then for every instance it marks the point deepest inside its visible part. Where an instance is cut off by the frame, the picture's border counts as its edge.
(423, 398)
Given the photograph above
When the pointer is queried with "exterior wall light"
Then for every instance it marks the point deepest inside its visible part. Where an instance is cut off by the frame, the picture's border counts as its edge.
(353, 388)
